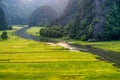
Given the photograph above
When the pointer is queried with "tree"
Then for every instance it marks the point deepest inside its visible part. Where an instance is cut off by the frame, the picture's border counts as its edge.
(4, 35)
(112, 27)
(52, 32)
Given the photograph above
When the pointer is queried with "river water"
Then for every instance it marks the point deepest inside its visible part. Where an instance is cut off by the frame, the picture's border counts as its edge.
(22, 33)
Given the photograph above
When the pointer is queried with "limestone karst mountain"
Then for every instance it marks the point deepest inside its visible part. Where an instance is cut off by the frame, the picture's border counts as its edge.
(43, 16)
(92, 19)
(18, 11)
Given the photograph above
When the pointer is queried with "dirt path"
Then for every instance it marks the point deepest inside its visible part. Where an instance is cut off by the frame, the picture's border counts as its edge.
(112, 57)
(67, 46)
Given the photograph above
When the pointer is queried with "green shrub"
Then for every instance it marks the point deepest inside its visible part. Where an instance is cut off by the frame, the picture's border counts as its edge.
(53, 32)
(4, 35)
(83, 37)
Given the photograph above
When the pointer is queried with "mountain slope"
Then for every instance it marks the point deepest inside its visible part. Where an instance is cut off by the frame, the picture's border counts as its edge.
(18, 11)
(68, 14)
(43, 16)
(91, 19)
(3, 22)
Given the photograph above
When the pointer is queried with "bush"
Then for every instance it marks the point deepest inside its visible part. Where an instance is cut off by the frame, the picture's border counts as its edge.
(53, 32)
(4, 35)
(83, 37)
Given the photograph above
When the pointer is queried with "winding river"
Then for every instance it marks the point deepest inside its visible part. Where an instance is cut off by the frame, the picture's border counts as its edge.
(109, 56)
(22, 33)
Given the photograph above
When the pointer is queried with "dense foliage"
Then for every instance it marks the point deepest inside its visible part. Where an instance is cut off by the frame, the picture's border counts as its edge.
(3, 22)
(112, 27)
(4, 35)
(92, 19)
(54, 32)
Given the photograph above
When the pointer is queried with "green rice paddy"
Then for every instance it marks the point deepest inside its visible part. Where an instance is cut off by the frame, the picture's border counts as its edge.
(22, 59)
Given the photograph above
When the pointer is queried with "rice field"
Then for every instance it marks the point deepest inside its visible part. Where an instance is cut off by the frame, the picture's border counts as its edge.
(22, 59)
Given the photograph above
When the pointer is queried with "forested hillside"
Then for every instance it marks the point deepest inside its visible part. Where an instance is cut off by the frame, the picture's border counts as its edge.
(3, 22)
(92, 19)
(43, 16)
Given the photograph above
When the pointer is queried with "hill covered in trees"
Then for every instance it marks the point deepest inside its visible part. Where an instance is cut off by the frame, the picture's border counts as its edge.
(3, 22)
(43, 16)
(92, 19)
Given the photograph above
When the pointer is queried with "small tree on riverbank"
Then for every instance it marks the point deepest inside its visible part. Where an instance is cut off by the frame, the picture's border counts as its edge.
(4, 35)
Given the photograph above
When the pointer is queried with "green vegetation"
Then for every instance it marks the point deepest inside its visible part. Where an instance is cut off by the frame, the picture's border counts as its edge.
(11, 32)
(3, 22)
(53, 32)
(112, 26)
(16, 27)
(98, 20)
(4, 35)
(34, 31)
(106, 45)
(22, 59)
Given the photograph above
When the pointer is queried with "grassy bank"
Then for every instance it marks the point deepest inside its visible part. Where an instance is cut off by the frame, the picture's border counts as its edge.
(107, 45)
(34, 31)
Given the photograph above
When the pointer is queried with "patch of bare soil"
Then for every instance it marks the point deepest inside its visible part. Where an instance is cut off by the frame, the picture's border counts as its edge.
(65, 45)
